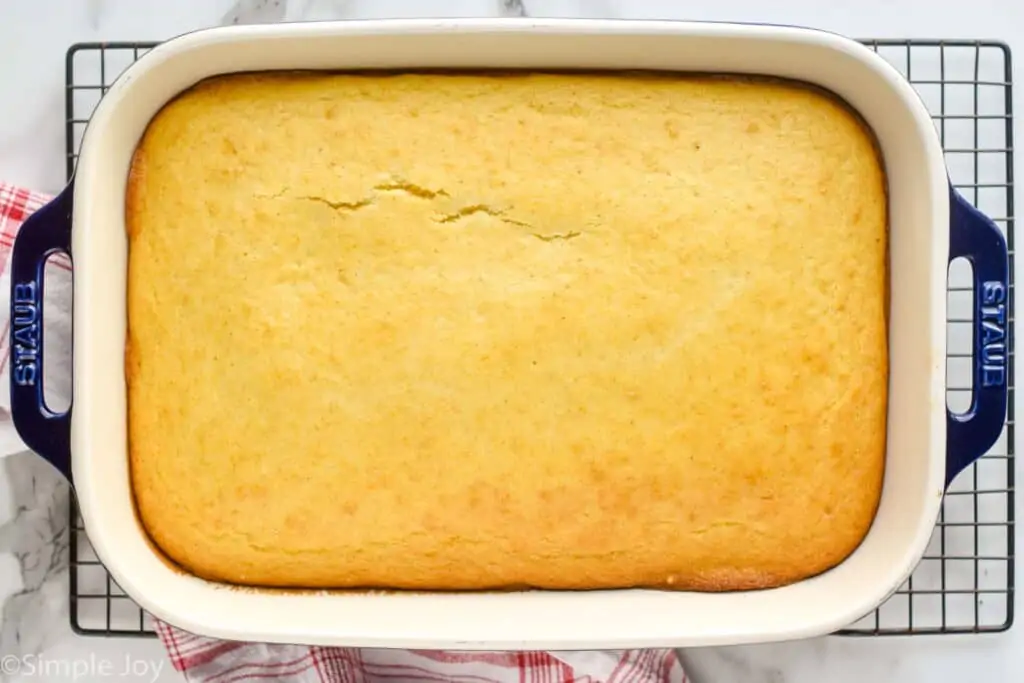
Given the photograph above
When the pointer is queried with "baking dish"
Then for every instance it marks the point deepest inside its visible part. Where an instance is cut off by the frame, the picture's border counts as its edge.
(926, 446)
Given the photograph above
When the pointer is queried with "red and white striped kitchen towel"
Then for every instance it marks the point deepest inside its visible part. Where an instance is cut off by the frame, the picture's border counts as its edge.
(209, 660)
(205, 660)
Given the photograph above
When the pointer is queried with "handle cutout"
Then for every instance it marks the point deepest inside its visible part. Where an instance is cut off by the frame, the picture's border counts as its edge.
(56, 321)
(960, 336)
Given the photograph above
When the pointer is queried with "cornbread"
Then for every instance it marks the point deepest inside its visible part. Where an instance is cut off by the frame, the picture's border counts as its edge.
(473, 331)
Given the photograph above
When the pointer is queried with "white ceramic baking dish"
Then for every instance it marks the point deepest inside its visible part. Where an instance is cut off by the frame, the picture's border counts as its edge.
(926, 446)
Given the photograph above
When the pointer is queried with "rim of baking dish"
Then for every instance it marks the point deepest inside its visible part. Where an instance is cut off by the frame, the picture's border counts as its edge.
(198, 606)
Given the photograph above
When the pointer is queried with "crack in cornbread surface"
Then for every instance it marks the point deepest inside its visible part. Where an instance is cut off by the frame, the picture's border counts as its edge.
(440, 331)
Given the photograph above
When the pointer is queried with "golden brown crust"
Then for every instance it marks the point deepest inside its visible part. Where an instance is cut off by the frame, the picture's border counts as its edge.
(468, 332)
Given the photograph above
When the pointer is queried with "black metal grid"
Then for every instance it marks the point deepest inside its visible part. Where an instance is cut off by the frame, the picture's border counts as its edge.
(98, 606)
(964, 584)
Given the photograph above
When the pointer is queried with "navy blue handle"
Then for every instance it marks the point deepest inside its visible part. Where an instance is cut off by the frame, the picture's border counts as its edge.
(973, 236)
(44, 233)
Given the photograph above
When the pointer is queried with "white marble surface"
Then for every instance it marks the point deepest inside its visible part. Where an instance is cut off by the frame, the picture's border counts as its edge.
(34, 35)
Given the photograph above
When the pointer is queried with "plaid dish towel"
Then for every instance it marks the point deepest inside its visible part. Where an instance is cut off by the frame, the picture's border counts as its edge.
(206, 660)
(203, 659)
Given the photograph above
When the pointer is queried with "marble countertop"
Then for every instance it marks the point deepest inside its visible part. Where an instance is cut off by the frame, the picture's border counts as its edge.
(34, 535)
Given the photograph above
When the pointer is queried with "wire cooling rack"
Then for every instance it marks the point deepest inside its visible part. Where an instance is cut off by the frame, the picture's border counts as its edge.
(964, 584)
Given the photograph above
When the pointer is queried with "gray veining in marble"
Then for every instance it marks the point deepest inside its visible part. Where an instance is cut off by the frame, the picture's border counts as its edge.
(95, 13)
(270, 11)
(512, 8)
(256, 12)
(721, 664)
(318, 10)
(37, 536)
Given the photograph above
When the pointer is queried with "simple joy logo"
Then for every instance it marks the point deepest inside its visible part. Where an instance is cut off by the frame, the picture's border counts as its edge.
(91, 668)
